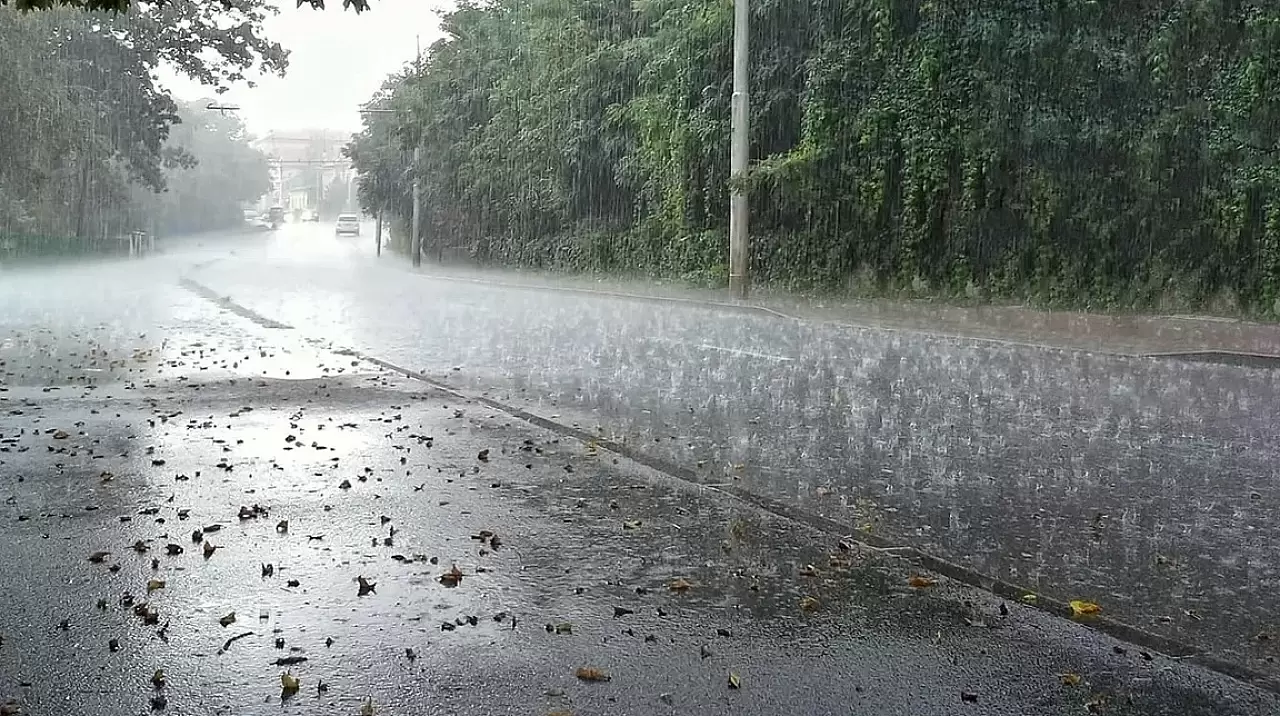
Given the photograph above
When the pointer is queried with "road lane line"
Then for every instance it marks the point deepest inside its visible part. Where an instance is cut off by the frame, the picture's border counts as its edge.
(722, 349)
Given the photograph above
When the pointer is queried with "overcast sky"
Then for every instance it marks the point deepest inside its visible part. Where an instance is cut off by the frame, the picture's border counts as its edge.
(338, 59)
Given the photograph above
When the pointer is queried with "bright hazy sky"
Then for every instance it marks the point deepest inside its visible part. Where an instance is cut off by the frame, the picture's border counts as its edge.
(337, 60)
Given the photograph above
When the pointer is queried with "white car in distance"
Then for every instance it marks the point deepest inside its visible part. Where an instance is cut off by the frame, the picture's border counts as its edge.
(348, 224)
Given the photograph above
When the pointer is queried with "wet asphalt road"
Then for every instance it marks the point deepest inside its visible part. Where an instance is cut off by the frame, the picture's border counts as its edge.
(1145, 485)
(173, 414)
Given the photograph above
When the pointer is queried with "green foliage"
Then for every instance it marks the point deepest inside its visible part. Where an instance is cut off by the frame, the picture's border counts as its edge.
(86, 135)
(1072, 152)
(211, 192)
(121, 6)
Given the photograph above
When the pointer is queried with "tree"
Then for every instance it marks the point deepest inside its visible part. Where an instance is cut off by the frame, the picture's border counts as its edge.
(121, 6)
(84, 123)
(225, 174)
(1068, 153)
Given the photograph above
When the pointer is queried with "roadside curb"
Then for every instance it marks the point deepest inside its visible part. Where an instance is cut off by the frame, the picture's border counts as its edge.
(1206, 355)
(1129, 633)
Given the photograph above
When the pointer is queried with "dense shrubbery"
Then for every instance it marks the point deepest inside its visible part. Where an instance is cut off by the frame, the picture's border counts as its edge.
(1072, 152)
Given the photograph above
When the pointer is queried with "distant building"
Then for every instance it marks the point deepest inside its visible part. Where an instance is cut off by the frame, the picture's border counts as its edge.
(303, 163)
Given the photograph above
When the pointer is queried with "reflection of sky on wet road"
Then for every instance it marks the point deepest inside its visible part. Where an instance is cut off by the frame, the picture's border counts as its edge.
(145, 414)
(1144, 484)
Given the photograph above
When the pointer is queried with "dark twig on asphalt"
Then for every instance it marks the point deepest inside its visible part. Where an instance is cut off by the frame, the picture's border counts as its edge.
(227, 644)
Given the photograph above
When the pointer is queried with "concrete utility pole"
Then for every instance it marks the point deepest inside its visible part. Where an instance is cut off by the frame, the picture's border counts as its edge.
(417, 210)
(416, 239)
(740, 152)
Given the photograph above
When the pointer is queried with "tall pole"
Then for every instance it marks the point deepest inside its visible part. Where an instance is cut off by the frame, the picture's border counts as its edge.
(416, 239)
(740, 152)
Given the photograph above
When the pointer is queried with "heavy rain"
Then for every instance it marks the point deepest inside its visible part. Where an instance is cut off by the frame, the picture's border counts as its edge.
(639, 357)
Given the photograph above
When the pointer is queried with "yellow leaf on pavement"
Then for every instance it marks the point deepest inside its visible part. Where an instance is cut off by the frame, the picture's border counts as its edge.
(289, 684)
(680, 585)
(920, 582)
(1070, 678)
(589, 673)
(735, 681)
(1080, 608)
(154, 584)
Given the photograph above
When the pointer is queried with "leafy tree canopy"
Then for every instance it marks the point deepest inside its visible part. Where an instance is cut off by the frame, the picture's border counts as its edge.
(1066, 152)
(125, 5)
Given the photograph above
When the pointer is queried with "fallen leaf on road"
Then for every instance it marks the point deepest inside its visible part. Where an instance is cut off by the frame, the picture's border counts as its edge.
(209, 549)
(288, 685)
(810, 604)
(157, 679)
(228, 620)
(483, 455)
(452, 578)
(366, 709)
(60, 435)
(154, 584)
(680, 584)
(140, 546)
(1080, 608)
(588, 673)
(1030, 598)
(289, 660)
(631, 525)
(149, 615)
(735, 681)
(1069, 678)
(920, 582)
(621, 612)
(366, 587)
(99, 557)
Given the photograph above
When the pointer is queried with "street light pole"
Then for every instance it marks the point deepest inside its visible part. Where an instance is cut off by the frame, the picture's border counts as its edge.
(740, 152)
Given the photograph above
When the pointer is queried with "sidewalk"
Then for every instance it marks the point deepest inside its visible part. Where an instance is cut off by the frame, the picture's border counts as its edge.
(1130, 334)
(337, 497)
